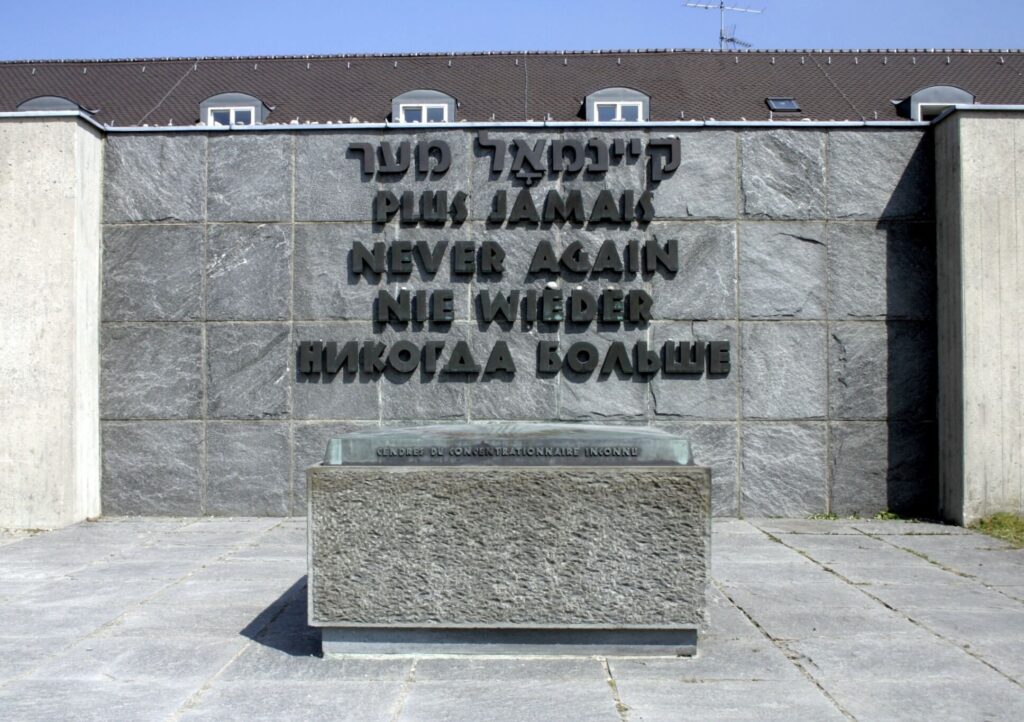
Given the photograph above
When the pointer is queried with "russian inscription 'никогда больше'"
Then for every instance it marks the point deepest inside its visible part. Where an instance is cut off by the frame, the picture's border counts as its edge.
(546, 307)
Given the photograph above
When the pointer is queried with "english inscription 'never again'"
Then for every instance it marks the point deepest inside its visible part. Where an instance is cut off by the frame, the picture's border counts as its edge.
(543, 307)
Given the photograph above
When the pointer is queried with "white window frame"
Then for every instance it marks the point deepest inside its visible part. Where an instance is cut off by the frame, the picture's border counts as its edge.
(231, 109)
(423, 108)
(619, 105)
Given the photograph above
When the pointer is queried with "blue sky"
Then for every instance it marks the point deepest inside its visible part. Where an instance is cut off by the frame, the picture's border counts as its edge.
(95, 29)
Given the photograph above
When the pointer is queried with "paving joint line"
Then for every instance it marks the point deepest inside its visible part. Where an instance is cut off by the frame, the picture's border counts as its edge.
(621, 707)
(893, 609)
(781, 646)
(404, 692)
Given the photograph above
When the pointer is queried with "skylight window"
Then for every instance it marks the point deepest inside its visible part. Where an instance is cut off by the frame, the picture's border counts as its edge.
(783, 105)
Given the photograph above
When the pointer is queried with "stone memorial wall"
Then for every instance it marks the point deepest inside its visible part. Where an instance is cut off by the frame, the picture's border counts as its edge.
(767, 293)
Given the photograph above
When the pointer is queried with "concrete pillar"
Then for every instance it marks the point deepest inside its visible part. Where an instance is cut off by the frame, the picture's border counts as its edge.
(50, 197)
(980, 208)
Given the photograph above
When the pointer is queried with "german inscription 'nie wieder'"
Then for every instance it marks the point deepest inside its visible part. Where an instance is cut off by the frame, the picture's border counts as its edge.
(546, 308)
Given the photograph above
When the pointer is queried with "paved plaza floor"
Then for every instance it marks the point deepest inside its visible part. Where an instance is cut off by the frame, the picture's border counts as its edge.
(183, 619)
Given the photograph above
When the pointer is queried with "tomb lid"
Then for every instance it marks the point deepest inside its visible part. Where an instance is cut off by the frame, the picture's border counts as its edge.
(509, 444)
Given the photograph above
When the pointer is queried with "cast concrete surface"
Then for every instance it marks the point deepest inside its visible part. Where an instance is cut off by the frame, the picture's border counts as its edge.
(168, 619)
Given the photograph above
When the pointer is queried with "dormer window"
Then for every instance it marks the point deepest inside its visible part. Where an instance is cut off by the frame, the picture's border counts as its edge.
(423, 106)
(621, 112)
(231, 116)
(617, 105)
(928, 103)
(422, 113)
(233, 109)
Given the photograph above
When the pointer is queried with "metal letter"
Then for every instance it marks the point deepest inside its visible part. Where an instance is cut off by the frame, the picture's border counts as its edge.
(390, 163)
(311, 354)
(506, 306)
(461, 361)
(605, 210)
(660, 167)
(492, 257)
(582, 357)
(607, 259)
(373, 357)
(552, 305)
(430, 260)
(400, 257)
(368, 161)
(523, 209)
(720, 363)
(385, 205)
(500, 360)
(431, 352)
(363, 260)
(434, 206)
(582, 307)
(462, 257)
(617, 358)
(442, 309)
(459, 211)
(575, 258)
(558, 148)
(525, 155)
(683, 358)
(388, 306)
(640, 303)
(444, 156)
(600, 164)
(499, 148)
(411, 359)
(647, 361)
(499, 207)
(349, 357)
(571, 209)
(612, 307)
(655, 255)
(548, 361)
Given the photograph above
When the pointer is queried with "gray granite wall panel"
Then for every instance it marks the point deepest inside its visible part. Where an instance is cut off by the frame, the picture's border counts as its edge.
(810, 250)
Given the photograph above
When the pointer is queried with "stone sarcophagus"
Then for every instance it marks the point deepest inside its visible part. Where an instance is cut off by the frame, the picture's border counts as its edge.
(508, 538)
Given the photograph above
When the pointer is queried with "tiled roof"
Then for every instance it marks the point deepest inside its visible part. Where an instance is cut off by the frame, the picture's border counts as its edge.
(682, 84)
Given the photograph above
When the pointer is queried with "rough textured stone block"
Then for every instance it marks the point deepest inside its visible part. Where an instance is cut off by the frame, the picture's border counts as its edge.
(782, 270)
(249, 370)
(708, 396)
(714, 446)
(328, 183)
(152, 273)
(879, 466)
(782, 469)
(309, 444)
(250, 177)
(704, 185)
(344, 395)
(151, 177)
(249, 469)
(705, 285)
(881, 270)
(596, 547)
(325, 286)
(880, 174)
(783, 370)
(150, 372)
(526, 395)
(248, 274)
(152, 467)
(595, 395)
(783, 174)
(882, 370)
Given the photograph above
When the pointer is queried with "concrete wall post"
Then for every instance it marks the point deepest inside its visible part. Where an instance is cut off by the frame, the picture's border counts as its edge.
(980, 209)
(50, 201)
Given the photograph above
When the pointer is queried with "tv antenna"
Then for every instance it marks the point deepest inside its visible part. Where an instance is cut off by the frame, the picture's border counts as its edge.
(726, 40)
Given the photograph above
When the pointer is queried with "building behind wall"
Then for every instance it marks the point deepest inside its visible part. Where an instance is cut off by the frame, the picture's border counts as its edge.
(803, 205)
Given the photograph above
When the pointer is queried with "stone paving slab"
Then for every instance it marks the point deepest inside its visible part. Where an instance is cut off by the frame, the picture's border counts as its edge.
(183, 619)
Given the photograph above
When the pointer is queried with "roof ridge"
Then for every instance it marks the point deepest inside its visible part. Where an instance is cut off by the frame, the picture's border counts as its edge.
(510, 53)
